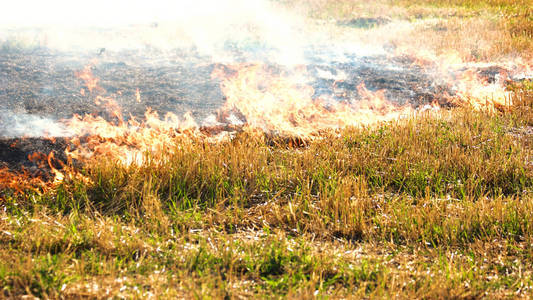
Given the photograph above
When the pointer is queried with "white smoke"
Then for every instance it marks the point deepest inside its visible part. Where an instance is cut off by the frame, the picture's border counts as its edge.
(14, 124)
(226, 31)
(210, 26)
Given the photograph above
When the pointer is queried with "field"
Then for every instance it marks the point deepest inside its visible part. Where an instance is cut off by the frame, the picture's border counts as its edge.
(438, 205)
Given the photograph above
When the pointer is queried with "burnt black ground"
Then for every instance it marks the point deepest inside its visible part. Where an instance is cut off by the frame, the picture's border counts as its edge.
(43, 82)
(15, 152)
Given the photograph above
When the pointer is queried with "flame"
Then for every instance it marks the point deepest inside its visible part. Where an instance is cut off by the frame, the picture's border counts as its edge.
(39, 158)
(19, 182)
(127, 142)
(477, 92)
(138, 95)
(111, 106)
(24, 180)
(471, 88)
(257, 99)
(274, 103)
(91, 82)
(58, 175)
(266, 101)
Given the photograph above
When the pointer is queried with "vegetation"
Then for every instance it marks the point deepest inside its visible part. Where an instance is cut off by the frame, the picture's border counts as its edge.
(473, 30)
(436, 206)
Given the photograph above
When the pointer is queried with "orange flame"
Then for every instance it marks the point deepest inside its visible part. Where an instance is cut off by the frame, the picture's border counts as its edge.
(477, 92)
(58, 175)
(259, 100)
(127, 142)
(275, 104)
(91, 82)
(18, 182)
(21, 182)
(470, 87)
(138, 95)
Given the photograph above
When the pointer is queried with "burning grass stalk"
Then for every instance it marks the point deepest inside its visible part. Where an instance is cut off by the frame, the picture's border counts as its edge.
(457, 155)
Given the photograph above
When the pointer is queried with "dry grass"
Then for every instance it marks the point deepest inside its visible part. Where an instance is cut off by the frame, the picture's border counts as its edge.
(437, 206)
(473, 30)
(51, 256)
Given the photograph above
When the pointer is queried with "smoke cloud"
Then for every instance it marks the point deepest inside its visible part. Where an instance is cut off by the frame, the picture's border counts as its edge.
(21, 124)
(212, 27)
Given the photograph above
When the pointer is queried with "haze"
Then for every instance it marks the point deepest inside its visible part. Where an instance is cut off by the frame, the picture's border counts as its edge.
(118, 12)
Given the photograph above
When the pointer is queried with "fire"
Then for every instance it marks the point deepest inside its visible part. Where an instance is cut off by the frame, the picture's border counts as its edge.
(257, 99)
(127, 142)
(479, 93)
(109, 103)
(19, 182)
(91, 82)
(275, 104)
(138, 95)
(24, 180)
(58, 175)
(266, 101)
(39, 158)
(111, 106)
(470, 87)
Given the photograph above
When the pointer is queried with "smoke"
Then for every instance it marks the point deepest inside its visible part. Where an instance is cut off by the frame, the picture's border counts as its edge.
(204, 32)
(214, 28)
(95, 12)
(21, 124)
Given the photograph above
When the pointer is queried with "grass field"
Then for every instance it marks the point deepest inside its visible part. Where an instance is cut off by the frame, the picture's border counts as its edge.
(439, 205)
(474, 30)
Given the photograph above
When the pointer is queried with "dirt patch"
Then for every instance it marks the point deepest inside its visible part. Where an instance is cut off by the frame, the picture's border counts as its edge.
(364, 22)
